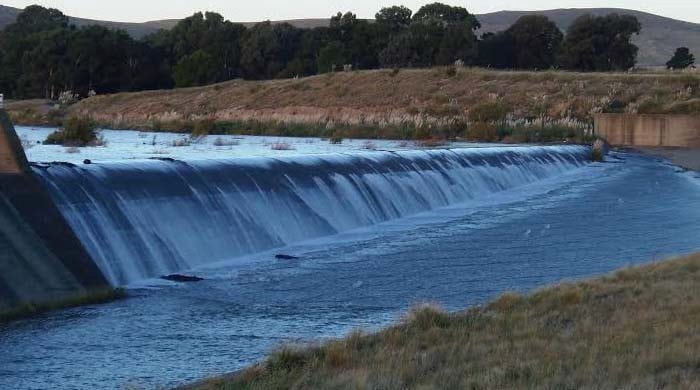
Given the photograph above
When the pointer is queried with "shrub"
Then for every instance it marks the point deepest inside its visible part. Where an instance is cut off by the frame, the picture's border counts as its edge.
(421, 132)
(687, 107)
(615, 106)
(203, 128)
(650, 106)
(481, 131)
(336, 138)
(75, 132)
(67, 98)
(489, 112)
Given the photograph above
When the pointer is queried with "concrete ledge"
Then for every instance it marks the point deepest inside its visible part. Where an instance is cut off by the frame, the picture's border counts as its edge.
(42, 261)
(649, 130)
(12, 157)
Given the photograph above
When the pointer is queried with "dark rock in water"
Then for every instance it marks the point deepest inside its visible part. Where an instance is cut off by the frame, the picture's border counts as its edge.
(286, 257)
(87, 161)
(181, 278)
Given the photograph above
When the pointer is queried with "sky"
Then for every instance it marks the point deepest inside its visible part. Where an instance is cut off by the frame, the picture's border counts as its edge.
(257, 10)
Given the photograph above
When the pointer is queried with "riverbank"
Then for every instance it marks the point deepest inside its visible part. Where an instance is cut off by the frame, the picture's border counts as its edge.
(477, 104)
(636, 328)
(686, 158)
(93, 297)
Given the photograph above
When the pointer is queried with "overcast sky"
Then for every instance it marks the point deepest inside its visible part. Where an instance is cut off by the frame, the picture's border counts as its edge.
(256, 10)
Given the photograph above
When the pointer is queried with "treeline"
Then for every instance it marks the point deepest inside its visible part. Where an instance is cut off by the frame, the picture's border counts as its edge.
(42, 55)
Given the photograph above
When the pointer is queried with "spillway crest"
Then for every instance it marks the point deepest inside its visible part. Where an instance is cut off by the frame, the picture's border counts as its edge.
(143, 219)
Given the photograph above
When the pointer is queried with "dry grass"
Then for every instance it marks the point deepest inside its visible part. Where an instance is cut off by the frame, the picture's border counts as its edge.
(420, 97)
(638, 328)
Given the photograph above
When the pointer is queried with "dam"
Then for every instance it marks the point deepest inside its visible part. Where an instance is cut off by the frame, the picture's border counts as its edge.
(368, 233)
(150, 218)
(41, 259)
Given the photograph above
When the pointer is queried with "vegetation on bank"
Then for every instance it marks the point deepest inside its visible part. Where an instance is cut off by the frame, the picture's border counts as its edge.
(636, 328)
(76, 131)
(471, 103)
(92, 297)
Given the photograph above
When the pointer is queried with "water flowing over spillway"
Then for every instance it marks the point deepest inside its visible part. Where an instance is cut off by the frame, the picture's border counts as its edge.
(142, 219)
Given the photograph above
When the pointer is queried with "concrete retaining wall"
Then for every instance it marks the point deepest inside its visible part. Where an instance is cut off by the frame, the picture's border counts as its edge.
(649, 130)
(41, 258)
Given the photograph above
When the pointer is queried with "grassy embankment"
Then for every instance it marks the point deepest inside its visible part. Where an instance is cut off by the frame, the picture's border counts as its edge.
(26, 310)
(476, 104)
(638, 328)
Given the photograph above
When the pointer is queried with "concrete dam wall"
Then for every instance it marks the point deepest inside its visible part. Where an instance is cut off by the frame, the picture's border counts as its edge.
(41, 259)
(649, 130)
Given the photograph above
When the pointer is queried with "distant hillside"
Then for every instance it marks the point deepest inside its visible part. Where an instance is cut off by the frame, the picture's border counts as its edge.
(659, 37)
(137, 30)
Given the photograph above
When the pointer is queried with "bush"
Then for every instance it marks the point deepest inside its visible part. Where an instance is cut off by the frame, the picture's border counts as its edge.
(615, 106)
(75, 132)
(203, 128)
(650, 106)
(489, 112)
(336, 138)
(481, 131)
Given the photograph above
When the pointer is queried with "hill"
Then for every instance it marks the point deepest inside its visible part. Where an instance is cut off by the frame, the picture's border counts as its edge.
(137, 30)
(659, 37)
(657, 41)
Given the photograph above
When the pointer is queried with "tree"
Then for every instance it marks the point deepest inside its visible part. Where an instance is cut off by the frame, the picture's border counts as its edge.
(29, 66)
(198, 68)
(497, 50)
(210, 33)
(536, 42)
(601, 43)
(266, 49)
(681, 59)
(331, 57)
(98, 60)
(444, 34)
(445, 15)
(394, 19)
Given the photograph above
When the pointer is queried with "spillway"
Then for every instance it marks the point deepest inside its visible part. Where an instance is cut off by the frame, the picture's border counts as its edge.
(143, 219)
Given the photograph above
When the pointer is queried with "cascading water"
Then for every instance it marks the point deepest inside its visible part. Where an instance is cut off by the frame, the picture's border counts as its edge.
(143, 219)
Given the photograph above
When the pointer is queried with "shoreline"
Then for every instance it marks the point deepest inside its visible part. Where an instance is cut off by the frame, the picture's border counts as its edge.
(688, 158)
(33, 309)
(603, 332)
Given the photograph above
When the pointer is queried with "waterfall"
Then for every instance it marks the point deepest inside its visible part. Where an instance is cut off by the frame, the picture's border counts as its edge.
(143, 219)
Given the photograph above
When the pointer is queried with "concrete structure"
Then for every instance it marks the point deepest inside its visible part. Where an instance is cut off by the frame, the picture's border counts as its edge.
(649, 130)
(41, 258)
